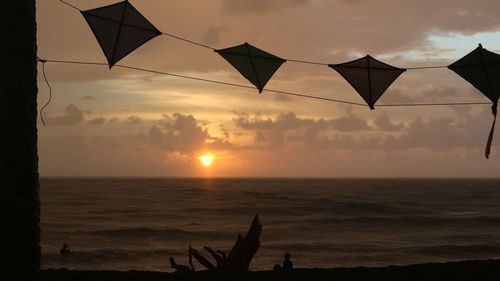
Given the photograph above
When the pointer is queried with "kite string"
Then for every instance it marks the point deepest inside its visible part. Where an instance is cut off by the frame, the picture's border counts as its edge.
(50, 90)
(426, 67)
(431, 104)
(307, 62)
(250, 87)
(188, 41)
(207, 80)
(68, 4)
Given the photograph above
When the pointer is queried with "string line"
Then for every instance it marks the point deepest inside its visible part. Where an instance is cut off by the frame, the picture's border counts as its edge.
(188, 41)
(432, 104)
(246, 86)
(307, 62)
(50, 90)
(68, 4)
(290, 60)
(426, 67)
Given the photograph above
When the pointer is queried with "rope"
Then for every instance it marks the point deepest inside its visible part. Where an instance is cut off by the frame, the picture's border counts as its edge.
(250, 87)
(50, 90)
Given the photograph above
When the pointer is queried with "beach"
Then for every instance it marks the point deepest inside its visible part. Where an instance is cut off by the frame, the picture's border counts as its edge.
(459, 271)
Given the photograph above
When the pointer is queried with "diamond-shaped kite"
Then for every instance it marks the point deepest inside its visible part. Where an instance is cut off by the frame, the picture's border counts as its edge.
(369, 77)
(256, 65)
(481, 68)
(120, 29)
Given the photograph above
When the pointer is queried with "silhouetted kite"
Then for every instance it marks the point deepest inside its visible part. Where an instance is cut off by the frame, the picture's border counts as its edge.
(119, 29)
(256, 65)
(369, 77)
(481, 68)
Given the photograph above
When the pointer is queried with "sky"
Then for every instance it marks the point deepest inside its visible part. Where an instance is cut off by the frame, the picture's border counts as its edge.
(125, 123)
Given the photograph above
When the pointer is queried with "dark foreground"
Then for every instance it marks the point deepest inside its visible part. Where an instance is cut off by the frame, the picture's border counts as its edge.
(466, 270)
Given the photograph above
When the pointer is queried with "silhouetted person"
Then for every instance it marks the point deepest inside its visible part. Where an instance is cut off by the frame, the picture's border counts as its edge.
(277, 267)
(287, 263)
(65, 250)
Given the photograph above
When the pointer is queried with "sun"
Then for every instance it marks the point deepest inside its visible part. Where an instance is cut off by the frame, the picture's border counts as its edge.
(207, 159)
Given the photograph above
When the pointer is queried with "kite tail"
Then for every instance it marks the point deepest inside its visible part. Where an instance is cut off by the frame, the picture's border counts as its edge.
(490, 138)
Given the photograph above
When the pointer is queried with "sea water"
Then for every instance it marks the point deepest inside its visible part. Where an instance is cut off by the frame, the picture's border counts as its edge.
(124, 224)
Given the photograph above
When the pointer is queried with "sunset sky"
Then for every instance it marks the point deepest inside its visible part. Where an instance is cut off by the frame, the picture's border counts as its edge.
(120, 122)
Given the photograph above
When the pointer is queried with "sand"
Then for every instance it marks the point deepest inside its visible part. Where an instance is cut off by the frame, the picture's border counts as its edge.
(465, 270)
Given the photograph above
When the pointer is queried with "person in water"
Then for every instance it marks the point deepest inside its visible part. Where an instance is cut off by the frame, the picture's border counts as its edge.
(287, 263)
(65, 250)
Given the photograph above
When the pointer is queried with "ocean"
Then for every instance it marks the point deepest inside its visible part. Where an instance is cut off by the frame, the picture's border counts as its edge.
(125, 224)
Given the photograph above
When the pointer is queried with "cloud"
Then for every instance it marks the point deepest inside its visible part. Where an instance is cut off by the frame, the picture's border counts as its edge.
(88, 98)
(178, 132)
(284, 121)
(134, 120)
(72, 116)
(287, 128)
(440, 92)
(424, 94)
(394, 95)
(350, 123)
(283, 144)
(434, 134)
(383, 122)
(352, 1)
(169, 147)
(290, 121)
(260, 6)
(97, 121)
(350, 132)
(79, 155)
(443, 134)
(212, 35)
(283, 98)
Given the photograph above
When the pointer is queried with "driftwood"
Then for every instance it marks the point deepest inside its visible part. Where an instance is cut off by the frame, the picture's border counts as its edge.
(178, 267)
(201, 259)
(239, 257)
(219, 259)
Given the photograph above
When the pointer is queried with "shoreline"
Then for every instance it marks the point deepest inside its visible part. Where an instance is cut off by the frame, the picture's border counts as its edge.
(474, 270)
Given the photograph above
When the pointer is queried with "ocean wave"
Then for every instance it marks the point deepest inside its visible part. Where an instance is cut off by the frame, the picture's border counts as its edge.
(324, 247)
(114, 253)
(450, 251)
(416, 221)
(298, 207)
(457, 250)
(250, 209)
(165, 233)
(119, 259)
